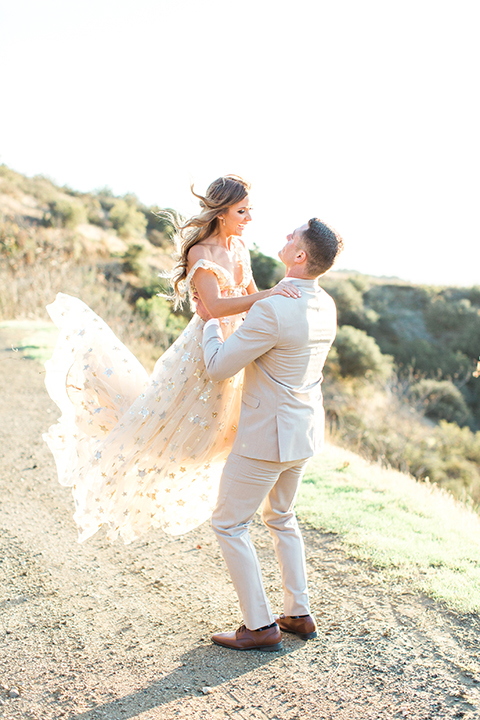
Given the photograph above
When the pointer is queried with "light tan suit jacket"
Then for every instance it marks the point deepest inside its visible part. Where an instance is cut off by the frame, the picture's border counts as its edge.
(283, 344)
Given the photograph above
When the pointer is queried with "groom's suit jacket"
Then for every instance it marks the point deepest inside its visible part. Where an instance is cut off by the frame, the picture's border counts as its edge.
(282, 343)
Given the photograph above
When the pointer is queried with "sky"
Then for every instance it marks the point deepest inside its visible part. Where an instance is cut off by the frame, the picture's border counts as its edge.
(364, 114)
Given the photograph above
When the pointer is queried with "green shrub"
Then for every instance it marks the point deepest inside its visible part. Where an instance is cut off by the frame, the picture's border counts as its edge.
(450, 457)
(445, 315)
(348, 296)
(41, 188)
(17, 244)
(266, 270)
(359, 355)
(157, 238)
(157, 312)
(106, 198)
(332, 370)
(66, 213)
(379, 425)
(127, 220)
(441, 400)
(97, 215)
(134, 259)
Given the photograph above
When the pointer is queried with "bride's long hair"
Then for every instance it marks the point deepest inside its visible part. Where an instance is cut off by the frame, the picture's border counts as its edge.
(221, 194)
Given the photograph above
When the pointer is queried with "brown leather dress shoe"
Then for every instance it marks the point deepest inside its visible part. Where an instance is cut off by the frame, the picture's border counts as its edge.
(302, 625)
(267, 640)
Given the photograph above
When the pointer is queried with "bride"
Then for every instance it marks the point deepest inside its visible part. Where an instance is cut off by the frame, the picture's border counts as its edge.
(141, 451)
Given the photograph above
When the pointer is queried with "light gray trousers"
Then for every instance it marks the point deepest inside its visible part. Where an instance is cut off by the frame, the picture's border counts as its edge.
(245, 484)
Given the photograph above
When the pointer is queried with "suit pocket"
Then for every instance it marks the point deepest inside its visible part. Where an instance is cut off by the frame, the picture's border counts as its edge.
(250, 400)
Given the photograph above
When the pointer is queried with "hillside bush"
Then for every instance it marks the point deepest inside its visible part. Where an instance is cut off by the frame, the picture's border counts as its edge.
(435, 331)
(157, 312)
(359, 355)
(65, 213)
(96, 214)
(444, 315)
(440, 399)
(25, 245)
(450, 457)
(134, 259)
(127, 220)
(159, 239)
(18, 185)
(381, 426)
(17, 244)
(266, 270)
(348, 296)
(106, 198)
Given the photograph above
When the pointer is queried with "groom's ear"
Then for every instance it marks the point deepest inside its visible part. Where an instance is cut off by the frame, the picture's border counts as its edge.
(300, 256)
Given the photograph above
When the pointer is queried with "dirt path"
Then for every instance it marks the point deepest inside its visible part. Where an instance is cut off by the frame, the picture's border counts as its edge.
(101, 631)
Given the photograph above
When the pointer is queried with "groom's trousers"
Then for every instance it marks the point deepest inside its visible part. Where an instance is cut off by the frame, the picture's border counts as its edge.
(245, 484)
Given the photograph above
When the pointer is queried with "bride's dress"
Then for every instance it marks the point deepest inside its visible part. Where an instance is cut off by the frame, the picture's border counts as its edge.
(140, 451)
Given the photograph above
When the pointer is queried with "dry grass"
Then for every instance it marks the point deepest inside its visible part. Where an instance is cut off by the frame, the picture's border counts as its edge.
(24, 295)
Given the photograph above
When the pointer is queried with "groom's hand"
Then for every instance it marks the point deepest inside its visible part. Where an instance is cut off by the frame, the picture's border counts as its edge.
(201, 310)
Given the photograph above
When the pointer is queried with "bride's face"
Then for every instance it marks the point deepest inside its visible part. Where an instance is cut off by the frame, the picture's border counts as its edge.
(236, 217)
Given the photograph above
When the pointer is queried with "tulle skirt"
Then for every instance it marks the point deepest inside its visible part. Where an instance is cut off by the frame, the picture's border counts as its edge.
(138, 451)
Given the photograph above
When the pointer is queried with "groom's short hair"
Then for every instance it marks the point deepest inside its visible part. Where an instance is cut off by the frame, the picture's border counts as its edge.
(322, 245)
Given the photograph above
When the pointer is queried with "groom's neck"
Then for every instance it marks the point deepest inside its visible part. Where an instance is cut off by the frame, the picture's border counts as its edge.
(299, 273)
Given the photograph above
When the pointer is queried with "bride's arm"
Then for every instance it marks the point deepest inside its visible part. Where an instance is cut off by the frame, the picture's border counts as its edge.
(252, 288)
(217, 306)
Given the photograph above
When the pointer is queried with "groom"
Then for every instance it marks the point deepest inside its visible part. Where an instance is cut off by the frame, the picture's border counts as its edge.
(282, 344)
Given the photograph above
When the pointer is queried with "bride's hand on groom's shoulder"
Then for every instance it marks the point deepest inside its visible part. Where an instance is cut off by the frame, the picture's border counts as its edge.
(287, 289)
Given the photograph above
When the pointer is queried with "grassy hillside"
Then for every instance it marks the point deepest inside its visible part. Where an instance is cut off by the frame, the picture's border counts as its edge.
(401, 385)
(413, 531)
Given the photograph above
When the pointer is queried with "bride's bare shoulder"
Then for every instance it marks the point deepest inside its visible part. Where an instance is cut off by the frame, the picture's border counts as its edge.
(202, 251)
(198, 252)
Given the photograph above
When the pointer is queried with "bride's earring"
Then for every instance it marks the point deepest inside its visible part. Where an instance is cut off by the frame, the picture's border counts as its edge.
(223, 220)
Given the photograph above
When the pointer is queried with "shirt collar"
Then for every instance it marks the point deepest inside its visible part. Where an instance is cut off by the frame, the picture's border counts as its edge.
(303, 282)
